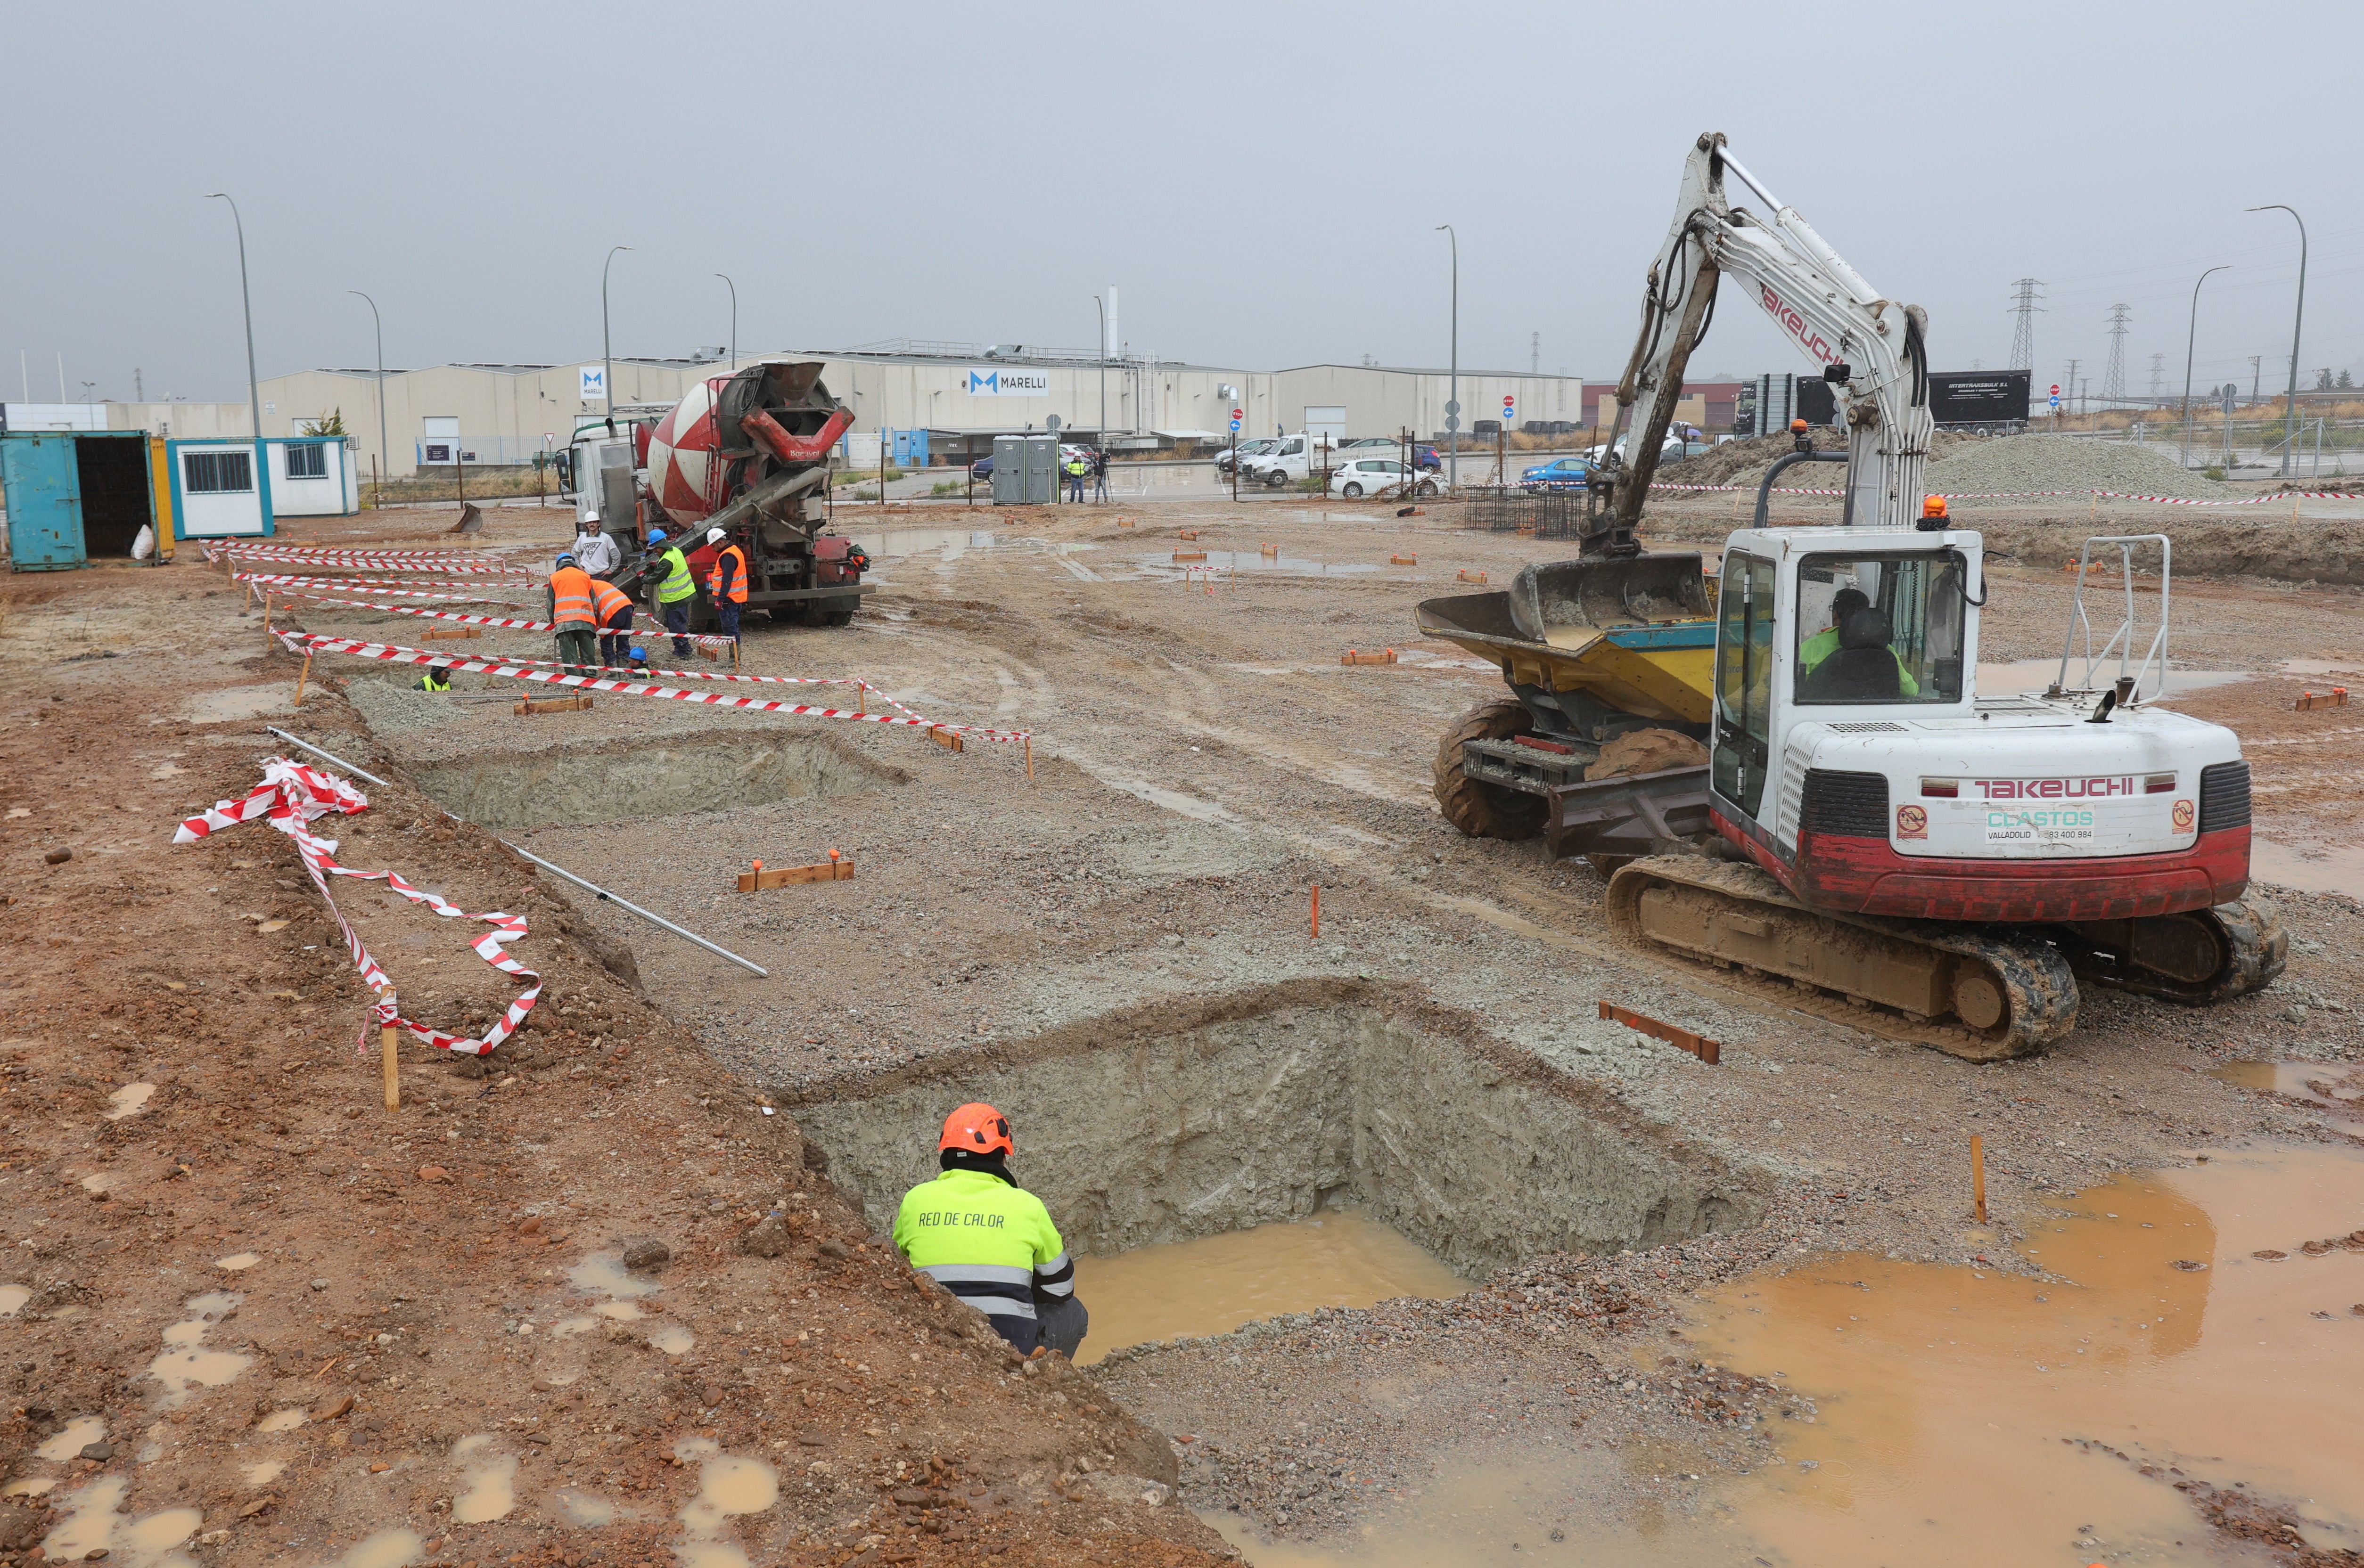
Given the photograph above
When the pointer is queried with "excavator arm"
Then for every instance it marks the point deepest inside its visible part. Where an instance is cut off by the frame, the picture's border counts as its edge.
(1872, 350)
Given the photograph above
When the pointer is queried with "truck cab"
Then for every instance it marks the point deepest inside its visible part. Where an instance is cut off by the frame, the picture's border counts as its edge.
(1851, 754)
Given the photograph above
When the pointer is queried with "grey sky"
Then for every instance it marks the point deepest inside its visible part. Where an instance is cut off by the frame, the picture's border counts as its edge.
(1263, 182)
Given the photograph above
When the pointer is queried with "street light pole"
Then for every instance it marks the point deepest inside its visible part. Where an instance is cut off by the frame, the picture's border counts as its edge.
(1452, 395)
(386, 452)
(2185, 455)
(2290, 416)
(607, 346)
(734, 320)
(253, 383)
(1102, 308)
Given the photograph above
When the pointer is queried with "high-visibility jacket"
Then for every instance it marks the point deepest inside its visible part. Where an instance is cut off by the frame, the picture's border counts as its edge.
(728, 579)
(610, 602)
(435, 680)
(570, 596)
(677, 584)
(989, 1242)
(1825, 642)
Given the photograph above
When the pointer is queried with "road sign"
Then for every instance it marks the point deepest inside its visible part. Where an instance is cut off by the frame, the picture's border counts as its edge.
(1235, 427)
(2056, 389)
(1454, 406)
(1237, 415)
(2056, 404)
(1452, 421)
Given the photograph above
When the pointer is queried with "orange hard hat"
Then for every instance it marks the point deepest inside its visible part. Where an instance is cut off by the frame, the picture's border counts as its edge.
(1933, 506)
(977, 1128)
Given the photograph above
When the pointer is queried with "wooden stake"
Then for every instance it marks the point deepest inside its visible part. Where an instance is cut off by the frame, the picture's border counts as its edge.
(862, 697)
(391, 1065)
(305, 676)
(1979, 1176)
(1316, 911)
(1029, 759)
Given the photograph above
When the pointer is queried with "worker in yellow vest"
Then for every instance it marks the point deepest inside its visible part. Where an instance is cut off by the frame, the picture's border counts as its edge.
(989, 1241)
(614, 612)
(727, 583)
(574, 617)
(676, 587)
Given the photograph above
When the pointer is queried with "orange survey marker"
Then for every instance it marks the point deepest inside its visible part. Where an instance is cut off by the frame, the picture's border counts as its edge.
(1125, 522)
(1269, 549)
(552, 705)
(1708, 1050)
(837, 868)
(1385, 656)
(457, 631)
(1189, 555)
(1186, 533)
(1403, 559)
(1466, 575)
(948, 739)
(2335, 698)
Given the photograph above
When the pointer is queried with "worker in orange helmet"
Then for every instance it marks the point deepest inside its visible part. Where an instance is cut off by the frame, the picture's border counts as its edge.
(989, 1241)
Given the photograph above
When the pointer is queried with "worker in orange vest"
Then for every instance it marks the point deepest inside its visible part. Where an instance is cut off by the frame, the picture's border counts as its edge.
(614, 613)
(574, 617)
(727, 583)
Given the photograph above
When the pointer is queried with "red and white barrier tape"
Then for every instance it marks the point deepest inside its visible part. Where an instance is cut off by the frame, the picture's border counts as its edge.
(370, 562)
(2040, 494)
(291, 794)
(477, 621)
(519, 670)
(347, 585)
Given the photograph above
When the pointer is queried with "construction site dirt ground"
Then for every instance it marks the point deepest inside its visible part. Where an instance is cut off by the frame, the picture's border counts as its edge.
(251, 1316)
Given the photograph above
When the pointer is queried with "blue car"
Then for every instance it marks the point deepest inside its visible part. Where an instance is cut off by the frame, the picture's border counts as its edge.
(1562, 473)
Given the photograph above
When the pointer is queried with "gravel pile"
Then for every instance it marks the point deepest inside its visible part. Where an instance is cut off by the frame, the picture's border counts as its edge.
(2062, 462)
(1745, 462)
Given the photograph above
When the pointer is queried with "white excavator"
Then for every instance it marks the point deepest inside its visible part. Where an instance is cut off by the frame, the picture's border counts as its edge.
(1884, 844)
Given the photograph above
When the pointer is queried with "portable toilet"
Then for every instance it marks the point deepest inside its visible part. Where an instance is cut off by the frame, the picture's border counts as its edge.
(74, 495)
(1023, 469)
(217, 491)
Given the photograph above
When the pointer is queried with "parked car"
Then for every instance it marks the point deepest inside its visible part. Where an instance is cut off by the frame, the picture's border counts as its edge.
(1560, 473)
(1379, 476)
(981, 469)
(1245, 449)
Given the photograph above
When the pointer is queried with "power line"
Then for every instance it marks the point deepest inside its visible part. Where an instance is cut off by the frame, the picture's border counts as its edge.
(2113, 375)
(2022, 337)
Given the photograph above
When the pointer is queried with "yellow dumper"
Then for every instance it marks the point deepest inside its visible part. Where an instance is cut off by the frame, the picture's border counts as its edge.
(1611, 662)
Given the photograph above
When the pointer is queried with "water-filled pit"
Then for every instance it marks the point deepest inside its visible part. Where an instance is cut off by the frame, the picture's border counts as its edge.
(666, 777)
(1433, 1155)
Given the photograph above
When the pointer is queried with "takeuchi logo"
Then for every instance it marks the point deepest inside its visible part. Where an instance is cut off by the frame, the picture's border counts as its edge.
(1795, 325)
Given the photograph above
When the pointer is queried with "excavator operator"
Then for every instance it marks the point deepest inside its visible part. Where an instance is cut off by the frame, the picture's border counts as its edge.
(989, 1241)
(1817, 650)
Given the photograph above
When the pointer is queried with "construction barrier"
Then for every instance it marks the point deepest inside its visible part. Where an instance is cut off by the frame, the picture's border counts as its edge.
(311, 643)
(511, 622)
(2041, 495)
(292, 796)
(370, 562)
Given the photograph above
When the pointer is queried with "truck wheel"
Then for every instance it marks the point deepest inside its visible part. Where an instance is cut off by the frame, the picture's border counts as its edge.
(1276, 479)
(1483, 810)
(837, 617)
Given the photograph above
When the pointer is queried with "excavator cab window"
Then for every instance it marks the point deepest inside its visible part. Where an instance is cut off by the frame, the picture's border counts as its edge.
(1742, 753)
(1879, 628)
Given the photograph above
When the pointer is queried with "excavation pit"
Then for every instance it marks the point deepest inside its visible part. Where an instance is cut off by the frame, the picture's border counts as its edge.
(1294, 1101)
(668, 777)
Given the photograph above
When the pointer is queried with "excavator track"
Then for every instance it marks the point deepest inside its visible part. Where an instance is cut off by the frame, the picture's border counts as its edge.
(2198, 958)
(1979, 996)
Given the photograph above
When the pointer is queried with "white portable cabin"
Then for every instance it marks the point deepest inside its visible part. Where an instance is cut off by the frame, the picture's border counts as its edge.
(314, 476)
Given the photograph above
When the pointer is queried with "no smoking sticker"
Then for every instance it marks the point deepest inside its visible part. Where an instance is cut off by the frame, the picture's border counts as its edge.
(1911, 822)
(2183, 814)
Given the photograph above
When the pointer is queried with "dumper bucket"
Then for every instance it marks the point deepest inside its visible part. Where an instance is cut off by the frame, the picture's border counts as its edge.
(1587, 598)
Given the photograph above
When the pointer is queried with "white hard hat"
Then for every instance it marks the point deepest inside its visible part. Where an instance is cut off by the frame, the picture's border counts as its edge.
(714, 536)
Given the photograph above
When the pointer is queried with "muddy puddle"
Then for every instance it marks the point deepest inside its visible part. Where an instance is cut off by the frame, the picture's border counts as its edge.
(2321, 868)
(2036, 675)
(896, 544)
(2335, 1086)
(1341, 1257)
(1224, 562)
(1964, 1416)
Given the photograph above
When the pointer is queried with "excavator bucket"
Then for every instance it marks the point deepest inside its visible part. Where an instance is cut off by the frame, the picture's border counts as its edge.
(1561, 602)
